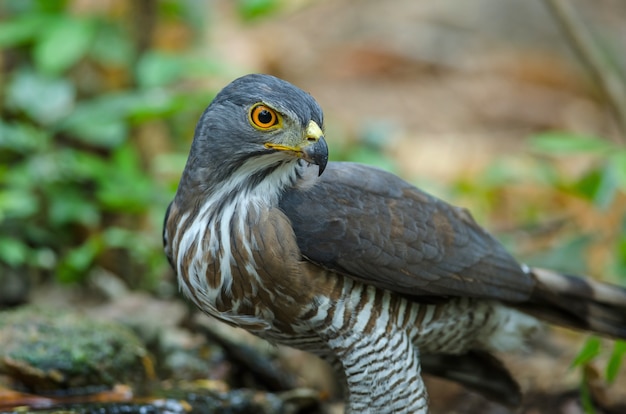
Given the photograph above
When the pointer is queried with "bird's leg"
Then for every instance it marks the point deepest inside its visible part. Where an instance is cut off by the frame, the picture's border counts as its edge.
(382, 372)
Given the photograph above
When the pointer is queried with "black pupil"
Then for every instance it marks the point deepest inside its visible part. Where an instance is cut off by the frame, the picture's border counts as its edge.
(265, 116)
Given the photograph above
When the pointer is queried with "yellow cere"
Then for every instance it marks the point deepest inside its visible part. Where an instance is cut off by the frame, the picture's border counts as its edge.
(313, 131)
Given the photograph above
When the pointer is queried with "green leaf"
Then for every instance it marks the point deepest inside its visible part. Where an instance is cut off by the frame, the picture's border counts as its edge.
(607, 187)
(253, 9)
(20, 30)
(74, 265)
(64, 166)
(17, 203)
(118, 237)
(105, 132)
(68, 205)
(45, 100)
(366, 155)
(619, 258)
(93, 120)
(586, 399)
(101, 50)
(616, 360)
(568, 256)
(13, 252)
(126, 187)
(589, 351)
(46, 6)
(101, 121)
(63, 44)
(154, 103)
(193, 13)
(23, 138)
(587, 186)
(617, 163)
(44, 258)
(564, 143)
(159, 69)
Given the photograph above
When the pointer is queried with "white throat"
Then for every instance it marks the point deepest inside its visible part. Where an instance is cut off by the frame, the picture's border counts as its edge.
(219, 226)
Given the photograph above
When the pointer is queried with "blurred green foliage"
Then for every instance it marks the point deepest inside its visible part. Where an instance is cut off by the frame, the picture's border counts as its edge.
(76, 189)
(604, 179)
(254, 9)
(601, 184)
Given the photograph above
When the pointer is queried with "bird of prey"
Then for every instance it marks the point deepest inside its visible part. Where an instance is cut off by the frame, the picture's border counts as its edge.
(352, 263)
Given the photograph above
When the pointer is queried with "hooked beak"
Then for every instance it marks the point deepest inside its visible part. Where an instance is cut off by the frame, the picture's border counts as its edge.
(315, 149)
(312, 149)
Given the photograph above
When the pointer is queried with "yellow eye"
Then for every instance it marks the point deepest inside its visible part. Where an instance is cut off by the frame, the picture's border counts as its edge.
(264, 117)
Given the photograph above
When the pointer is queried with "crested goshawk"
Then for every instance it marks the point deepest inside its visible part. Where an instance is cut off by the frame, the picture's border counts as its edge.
(352, 263)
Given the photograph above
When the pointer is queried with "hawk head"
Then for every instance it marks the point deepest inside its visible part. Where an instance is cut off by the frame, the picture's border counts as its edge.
(254, 126)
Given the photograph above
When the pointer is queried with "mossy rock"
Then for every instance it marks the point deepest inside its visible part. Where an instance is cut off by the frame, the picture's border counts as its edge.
(52, 352)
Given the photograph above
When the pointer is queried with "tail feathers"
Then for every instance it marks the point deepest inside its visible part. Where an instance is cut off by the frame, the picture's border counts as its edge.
(476, 370)
(578, 303)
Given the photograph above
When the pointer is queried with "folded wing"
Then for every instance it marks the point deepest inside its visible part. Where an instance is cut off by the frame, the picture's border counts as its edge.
(378, 229)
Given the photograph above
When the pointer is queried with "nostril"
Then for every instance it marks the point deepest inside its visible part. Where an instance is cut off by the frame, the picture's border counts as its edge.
(311, 139)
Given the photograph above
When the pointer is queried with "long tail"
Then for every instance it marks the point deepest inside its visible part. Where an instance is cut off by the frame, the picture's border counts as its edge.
(578, 303)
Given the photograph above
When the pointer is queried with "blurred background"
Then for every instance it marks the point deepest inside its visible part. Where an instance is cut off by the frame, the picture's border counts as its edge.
(514, 109)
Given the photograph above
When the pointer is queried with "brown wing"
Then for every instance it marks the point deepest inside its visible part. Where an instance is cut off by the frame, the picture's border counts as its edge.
(377, 228)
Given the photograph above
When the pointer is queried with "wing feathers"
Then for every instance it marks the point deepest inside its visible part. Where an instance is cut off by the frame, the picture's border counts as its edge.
(376, 228)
